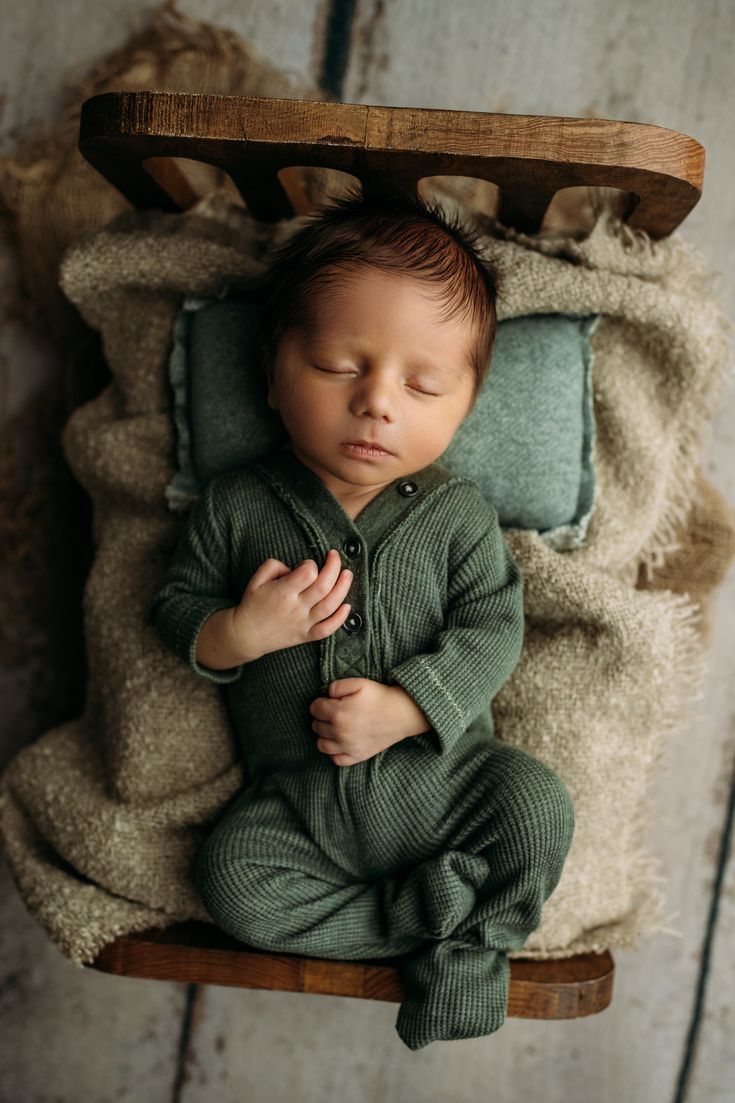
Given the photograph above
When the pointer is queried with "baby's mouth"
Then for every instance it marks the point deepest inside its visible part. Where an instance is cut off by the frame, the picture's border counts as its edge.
(361, 448)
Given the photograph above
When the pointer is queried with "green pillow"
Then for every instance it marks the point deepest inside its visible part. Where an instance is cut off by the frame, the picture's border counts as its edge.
(527, 442)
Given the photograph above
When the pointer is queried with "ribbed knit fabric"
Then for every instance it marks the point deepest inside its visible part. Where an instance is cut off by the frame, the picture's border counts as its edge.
(442, 848)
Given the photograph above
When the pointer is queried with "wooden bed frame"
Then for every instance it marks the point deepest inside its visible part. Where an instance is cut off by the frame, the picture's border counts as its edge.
(133, 139)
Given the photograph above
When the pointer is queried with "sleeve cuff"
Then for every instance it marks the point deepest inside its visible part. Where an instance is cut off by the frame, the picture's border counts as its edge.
(447, 720)
(189, 626)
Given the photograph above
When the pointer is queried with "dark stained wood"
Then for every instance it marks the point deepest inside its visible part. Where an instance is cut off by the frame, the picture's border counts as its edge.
(251, 138)
(201, 953)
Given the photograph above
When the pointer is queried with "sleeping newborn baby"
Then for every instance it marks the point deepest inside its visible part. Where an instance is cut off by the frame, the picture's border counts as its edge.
(360, 604)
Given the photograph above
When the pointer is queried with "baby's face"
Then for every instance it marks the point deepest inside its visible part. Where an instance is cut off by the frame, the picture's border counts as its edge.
(380, 365)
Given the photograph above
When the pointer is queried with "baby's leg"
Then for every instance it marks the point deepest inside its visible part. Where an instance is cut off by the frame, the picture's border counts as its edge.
(513, 835)
(264, 880)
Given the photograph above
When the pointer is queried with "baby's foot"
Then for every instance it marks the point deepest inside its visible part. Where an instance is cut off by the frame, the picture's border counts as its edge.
(453, 990)
(437, 895)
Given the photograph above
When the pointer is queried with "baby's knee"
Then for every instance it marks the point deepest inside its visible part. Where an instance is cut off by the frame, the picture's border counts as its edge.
(212, 876)
(227, 890)
(541, 809)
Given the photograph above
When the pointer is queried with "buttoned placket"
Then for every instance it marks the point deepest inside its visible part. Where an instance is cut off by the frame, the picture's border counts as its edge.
(348, 652)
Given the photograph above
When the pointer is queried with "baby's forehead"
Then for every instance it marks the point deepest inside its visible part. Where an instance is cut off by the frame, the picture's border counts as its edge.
(345, 309)
(331, 287)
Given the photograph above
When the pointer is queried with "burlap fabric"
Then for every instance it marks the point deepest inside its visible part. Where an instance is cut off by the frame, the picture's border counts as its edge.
(102, 816)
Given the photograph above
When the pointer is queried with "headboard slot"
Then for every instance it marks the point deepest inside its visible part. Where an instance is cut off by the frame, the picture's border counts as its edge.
(252, 139)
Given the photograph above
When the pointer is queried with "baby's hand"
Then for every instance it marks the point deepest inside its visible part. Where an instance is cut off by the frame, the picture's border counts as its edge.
(282, 607)
(360, 718)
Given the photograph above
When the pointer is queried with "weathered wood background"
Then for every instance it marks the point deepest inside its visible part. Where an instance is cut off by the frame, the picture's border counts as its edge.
(82, 1037)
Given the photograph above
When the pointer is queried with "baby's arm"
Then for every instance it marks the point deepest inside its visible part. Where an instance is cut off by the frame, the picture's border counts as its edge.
(197, 611)
(481, 642)
(198, 588)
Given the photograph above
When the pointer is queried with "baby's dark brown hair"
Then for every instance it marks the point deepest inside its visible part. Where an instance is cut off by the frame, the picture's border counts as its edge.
(395, 231)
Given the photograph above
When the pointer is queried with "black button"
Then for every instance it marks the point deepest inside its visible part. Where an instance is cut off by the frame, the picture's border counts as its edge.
(352, 547)
(407, 488)
(353, 623)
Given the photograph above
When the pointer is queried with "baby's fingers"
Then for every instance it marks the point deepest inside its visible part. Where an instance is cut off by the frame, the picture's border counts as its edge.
(325, 627)
(323, 582)
(267, 572)
(336, 593)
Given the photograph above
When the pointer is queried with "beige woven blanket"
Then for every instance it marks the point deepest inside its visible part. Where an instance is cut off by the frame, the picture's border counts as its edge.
(101, 817)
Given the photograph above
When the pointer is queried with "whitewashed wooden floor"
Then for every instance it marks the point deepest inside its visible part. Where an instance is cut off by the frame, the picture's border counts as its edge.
(76, 1036)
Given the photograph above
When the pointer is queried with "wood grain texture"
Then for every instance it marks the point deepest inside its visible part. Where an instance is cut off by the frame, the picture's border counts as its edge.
(529, 158)
(200, 953)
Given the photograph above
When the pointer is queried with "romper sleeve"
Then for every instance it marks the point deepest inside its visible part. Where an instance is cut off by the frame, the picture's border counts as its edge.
(197, 584)
(481, 642)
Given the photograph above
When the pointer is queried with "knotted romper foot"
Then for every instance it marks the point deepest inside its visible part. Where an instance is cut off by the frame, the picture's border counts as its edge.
(458, 987)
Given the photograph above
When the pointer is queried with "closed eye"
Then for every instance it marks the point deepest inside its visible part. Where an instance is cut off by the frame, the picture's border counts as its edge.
(338, 371)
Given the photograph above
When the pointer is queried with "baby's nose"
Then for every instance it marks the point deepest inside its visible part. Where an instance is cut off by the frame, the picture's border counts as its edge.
(374, 398)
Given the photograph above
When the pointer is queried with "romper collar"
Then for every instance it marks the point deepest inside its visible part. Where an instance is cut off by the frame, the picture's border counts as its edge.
(381, 515)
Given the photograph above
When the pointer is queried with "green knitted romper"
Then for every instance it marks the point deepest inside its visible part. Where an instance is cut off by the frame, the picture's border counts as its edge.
(442, 848)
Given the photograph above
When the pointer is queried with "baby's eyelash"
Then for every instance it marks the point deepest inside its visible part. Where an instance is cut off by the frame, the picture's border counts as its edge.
(337, 371)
